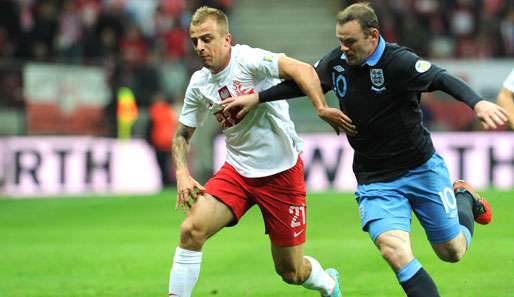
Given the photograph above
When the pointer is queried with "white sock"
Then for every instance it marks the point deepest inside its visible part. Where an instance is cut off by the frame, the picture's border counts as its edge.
(184, 272)
(319, 279)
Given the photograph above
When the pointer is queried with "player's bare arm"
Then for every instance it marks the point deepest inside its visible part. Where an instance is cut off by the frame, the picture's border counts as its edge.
(305, 78)
(506, 100)
(187, 186)
(308, 81)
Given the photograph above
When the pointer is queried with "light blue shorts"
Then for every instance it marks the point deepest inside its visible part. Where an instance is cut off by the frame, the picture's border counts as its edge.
(426, 190)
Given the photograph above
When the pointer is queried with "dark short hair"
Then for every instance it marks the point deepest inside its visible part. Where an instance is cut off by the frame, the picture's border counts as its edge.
(360, 12)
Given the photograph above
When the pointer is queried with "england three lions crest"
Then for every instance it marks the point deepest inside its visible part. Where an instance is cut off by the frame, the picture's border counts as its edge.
(377, 79)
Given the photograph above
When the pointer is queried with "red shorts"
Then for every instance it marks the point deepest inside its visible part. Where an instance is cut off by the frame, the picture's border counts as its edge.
(281, 198)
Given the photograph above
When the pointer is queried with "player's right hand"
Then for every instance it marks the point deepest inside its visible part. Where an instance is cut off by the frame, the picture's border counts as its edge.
(187, 187)
(338, 120)
(491, 115)
(241, 104)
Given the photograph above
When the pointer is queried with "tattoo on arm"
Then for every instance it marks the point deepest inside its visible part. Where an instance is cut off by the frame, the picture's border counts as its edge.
(181, 145)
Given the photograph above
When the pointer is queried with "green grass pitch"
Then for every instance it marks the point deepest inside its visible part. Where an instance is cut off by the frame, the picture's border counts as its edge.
(123, 246)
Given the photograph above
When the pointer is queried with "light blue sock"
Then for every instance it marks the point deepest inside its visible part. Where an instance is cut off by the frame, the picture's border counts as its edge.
(408, 271)
(467, 234)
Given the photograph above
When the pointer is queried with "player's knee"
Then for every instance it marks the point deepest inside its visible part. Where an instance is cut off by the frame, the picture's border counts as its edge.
(451, 251)
(395, 255)
(192, 234)
(451, 254)
(389, 253)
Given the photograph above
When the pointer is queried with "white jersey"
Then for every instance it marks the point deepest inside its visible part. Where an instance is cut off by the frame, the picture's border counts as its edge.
(264, 142)
(509, 82)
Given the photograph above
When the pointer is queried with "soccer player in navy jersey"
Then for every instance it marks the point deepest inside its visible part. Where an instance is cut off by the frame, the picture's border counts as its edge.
(379, 86)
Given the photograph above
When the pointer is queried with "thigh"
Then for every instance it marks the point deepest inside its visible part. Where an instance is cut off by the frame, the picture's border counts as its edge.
(433, 201)
(229, 188)
(285, 222)
(208, 215)
(281, 198)
(382, 207)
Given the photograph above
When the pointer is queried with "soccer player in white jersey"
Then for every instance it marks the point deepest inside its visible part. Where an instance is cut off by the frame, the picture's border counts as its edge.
(263, 166)
(506, 97)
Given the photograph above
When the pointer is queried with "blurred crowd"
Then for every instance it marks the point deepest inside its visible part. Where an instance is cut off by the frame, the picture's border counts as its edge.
(135, 30)
(89, 30)
(144, 44)
(449, 28)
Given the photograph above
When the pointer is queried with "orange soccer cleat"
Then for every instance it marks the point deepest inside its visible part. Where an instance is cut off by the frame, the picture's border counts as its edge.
(482, 211)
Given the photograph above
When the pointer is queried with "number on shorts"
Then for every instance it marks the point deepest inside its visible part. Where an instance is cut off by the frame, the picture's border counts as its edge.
(448, 199)
(296, 211)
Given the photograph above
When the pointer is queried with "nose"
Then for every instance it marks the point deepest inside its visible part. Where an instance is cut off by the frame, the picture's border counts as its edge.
(200, 46)
(344, 48)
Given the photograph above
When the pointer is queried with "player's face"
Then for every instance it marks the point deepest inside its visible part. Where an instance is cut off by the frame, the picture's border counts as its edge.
(211, 45)
(354, 43)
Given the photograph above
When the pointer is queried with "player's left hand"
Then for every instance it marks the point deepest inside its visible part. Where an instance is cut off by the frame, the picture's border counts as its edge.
(187, 187)
(490, 115)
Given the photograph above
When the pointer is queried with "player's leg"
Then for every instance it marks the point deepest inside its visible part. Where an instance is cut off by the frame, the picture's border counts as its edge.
(470, 207)
(207, 216)
(448, 222)
(281, 198)
(297, 269)
(395, 248)
(452, 246)
(386, 216)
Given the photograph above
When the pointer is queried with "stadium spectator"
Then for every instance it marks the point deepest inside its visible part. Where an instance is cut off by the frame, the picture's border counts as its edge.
(133, 47)
(70, 31)
(162, 127)
(506, 97)
(263, 166)
(9, 29)
(44, 31)
(378, 85)
(507, 32)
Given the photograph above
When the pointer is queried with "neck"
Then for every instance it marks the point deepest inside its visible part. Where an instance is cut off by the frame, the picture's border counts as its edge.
(225, 62)
(373, 48)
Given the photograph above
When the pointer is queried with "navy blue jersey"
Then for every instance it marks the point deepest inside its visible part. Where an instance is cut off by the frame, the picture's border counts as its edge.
(382, 97)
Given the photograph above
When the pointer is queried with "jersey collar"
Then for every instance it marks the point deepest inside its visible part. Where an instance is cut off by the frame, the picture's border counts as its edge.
(377, 54)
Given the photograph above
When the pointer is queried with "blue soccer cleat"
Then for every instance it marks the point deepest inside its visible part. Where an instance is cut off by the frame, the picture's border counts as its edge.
(337, 289)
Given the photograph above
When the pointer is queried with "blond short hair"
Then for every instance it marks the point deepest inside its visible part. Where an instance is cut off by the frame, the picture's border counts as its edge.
(203, 13)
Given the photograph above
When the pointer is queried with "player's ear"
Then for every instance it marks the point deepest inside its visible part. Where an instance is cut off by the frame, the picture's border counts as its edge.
(228, 40)
(374, 33)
